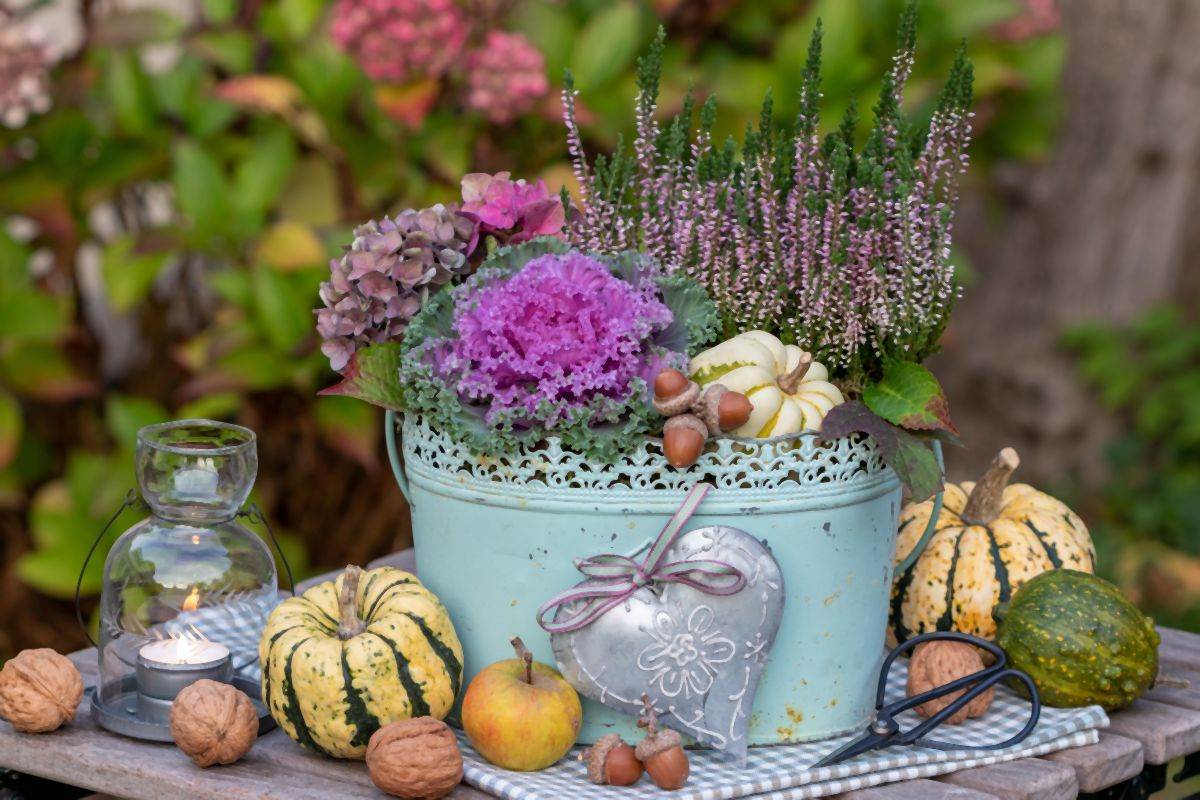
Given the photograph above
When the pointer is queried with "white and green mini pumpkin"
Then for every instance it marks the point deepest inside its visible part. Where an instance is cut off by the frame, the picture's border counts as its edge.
(789, 391)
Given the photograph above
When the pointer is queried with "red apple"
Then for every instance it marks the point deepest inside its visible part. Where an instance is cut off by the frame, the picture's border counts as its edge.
(521, 715)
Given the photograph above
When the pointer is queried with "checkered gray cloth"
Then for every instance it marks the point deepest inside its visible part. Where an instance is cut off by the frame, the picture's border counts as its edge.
(783, 772)
(238, 626)
(771, 773)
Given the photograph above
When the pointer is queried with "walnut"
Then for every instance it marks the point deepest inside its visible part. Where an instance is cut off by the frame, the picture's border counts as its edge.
(39, 690)
(213, 722)
(935, 664)
(417, 759)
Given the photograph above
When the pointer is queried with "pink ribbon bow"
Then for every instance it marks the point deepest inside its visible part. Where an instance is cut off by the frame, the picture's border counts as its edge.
(616, 577)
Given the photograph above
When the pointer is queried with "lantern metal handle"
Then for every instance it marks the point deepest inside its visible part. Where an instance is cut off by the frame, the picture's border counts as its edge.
(133, 500)
(931, 526)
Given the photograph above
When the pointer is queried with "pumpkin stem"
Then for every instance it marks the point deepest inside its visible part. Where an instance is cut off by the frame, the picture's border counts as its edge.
(524, 655)
(790, 382)
(983, 505)
(350, 625)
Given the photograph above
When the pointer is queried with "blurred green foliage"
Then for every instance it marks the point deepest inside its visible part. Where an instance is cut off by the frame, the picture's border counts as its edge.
(1147, 516)
(265, 145)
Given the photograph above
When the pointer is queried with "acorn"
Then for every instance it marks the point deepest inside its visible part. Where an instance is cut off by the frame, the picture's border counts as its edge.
(722, 409)
(661, 752)
(683, 440)
(674, 393)
(612, 762)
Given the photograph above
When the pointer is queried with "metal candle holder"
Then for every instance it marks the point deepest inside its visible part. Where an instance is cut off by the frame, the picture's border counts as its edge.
(158, 683)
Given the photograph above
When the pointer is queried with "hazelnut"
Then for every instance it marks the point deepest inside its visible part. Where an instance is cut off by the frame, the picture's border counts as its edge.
(213, 722)
(937, 663)
(661, 752)
(674, 393)
(39, 690)
(613, 762)
(683, 440)
(416, 759)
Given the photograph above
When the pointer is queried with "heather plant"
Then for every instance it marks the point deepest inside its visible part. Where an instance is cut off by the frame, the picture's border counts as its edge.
(842, 250)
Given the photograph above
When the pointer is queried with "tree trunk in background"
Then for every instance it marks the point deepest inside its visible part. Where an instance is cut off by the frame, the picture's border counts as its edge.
(1108, 225)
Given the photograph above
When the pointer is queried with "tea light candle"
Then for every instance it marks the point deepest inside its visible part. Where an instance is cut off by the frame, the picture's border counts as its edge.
(166, 667)
(184, 651)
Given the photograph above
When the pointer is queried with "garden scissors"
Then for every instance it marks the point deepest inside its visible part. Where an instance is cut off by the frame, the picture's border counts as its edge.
(884, 731)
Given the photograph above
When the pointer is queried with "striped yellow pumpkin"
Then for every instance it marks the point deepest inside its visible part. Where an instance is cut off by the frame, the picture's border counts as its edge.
(351, 655)
(990, 539)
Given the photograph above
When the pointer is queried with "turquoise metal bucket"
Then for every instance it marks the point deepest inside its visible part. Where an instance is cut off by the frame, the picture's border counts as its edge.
(497, 536)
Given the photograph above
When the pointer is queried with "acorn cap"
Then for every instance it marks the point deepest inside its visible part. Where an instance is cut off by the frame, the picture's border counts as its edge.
(597, 754)
(683, 397)
(657, 742)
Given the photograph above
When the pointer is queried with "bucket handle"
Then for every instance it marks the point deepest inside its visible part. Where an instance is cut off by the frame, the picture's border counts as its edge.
(397, 461)
(931, 526)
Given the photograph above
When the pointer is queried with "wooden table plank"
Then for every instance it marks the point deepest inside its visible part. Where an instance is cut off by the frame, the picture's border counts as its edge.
(1160, 727)
(919, 789)
(1166, 732)
(1179, 646)
(1024, 779)
(1097, 766)
(81, 754)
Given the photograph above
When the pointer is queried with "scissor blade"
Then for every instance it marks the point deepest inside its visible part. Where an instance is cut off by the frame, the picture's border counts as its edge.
(852, 748)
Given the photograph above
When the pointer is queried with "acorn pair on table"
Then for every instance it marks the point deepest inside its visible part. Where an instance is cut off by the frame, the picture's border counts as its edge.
(694, 414)
(613, 762)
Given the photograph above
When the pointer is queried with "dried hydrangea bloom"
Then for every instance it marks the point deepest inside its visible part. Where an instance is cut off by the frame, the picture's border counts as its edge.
(514, 211)
(397, 40)
(386, 274)
(24, 73)
(506, 76)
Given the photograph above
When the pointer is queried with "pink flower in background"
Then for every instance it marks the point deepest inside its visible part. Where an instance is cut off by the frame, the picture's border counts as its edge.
(506, 77)
(396, 40)
(513, 211)
(1038, 18)
(24, 75)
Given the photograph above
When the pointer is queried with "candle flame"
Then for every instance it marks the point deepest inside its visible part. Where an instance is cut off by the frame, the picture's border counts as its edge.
(192, 602)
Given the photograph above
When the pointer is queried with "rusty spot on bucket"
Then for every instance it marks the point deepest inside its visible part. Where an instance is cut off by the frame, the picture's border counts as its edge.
(785, 733)
(795, 716)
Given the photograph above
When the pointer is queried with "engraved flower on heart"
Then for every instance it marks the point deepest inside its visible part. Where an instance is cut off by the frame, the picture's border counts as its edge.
(684, 656)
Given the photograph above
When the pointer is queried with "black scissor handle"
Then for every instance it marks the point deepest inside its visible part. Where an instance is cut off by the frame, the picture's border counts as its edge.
(1035, 712)
(943, 636)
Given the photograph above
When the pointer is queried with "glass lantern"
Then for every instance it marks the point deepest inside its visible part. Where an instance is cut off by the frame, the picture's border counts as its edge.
(187, 591)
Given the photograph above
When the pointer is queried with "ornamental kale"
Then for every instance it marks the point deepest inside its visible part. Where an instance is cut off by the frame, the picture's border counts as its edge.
(545, 340)
(841, 251)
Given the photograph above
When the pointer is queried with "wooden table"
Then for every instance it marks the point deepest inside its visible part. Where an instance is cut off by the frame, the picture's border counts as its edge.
(1162, 726)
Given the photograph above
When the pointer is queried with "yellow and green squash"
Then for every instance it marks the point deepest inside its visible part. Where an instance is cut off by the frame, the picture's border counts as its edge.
(351, 655)
(1080, 639)
(990, 539)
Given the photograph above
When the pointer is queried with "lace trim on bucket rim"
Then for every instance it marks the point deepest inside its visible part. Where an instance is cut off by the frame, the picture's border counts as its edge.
(788, 461)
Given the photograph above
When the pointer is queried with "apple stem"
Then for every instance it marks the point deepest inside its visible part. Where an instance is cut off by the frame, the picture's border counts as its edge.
(523, 654)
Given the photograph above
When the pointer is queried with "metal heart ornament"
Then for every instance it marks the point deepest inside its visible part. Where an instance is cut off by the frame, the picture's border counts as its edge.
(691, 625)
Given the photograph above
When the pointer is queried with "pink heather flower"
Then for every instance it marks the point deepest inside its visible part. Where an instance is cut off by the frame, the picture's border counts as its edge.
(514, 211)
(396, 40)
(506, 77)
(561, 334)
